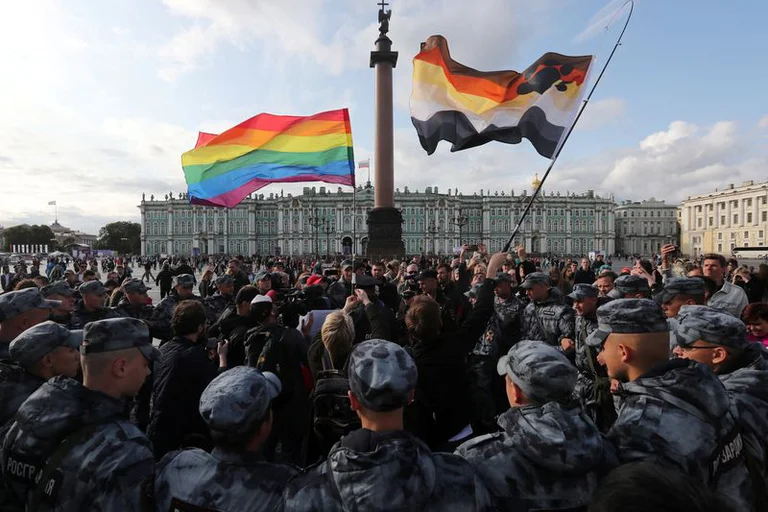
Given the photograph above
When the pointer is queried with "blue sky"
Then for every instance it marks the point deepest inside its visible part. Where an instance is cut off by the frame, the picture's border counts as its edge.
(100, 98)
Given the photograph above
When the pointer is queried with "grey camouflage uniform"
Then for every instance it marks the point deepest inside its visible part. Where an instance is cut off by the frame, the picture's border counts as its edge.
(215, 306)
(550, 320)
(80, 316)
(673, 287)
(745, 375)
(503, 328)
(375, 471)
(550, 455)
(165, 308)
(223, 480)
(105, 472)
(677, 413)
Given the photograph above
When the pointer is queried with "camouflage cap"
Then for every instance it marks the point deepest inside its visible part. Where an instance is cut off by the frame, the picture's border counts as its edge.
(346, 264)
(184, 280)
(39, 340)
(57, 288)
(535, 278)
(237, 399)
(680, 286)
(381, 375)
(582, 291)
(92, 287)
(540, 370)
(628, 316)
(134, 285)
(629, 284)
(224, 279)
(15, 303)
(710, 325)
(118, 334)
(473, 291)
(263, 274)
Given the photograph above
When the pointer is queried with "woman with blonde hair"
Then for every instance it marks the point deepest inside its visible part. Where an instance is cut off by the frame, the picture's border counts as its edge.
(335, 344)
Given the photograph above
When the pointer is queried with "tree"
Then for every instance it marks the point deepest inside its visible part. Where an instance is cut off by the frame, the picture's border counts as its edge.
(24, 234)
(123, 237)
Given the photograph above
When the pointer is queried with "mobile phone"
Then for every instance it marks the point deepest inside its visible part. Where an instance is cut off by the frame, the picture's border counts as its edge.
(472, 248)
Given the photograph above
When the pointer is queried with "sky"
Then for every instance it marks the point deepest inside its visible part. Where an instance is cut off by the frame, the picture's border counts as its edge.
(99, 98)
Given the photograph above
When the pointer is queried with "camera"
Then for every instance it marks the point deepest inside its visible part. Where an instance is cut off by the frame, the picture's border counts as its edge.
(472, 248)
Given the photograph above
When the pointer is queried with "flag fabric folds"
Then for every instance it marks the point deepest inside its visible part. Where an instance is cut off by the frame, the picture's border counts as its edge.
(364, 164)
(51, 203)
(468, 108)
(223, 169)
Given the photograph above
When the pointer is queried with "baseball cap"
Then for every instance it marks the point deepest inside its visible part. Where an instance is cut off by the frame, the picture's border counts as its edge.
(628, 316)
(628, 284)
(224, 279)
(262, 274)
(472, 292)
(535, 278)
(502, 277)
(680, 286)
(57, 288)
(582, 291)
(314, 279)
(184, 280)
(381, 375)
(710, 325)
(92, 287)
(37, 341)
(543, 372)
(259, 299)
(427, 274)
(346, 264)
(237, 399)
(15, 303)
(118, 334)
(134, 285)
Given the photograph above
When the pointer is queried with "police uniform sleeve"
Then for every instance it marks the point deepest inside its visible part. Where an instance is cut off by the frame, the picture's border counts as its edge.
(125, 477)
(567, 324)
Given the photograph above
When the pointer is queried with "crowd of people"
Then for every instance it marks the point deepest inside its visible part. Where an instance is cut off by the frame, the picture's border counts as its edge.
(479, 382)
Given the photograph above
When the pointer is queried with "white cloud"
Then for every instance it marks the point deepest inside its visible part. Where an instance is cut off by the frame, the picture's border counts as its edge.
(763, 122)
(601, 113)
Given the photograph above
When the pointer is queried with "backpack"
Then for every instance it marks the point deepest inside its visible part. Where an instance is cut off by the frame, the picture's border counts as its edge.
(333, 416)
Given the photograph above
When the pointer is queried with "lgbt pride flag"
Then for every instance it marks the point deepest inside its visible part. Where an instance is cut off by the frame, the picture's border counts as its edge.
(223, 169)
(468, 108)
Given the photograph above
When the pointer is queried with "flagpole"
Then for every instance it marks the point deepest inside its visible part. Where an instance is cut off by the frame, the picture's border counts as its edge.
(570, 130)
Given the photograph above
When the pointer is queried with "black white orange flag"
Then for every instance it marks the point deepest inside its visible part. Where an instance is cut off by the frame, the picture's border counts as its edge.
(469, 108)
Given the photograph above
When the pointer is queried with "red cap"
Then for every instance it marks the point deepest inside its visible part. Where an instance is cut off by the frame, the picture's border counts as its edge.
(626, 269)
(271, 294)
(314, 279)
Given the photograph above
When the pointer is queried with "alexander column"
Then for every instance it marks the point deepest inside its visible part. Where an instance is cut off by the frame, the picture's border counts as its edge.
(385, 229)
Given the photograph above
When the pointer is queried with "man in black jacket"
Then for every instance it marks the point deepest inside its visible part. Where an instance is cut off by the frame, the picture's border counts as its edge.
(180, 376)
(585, 274)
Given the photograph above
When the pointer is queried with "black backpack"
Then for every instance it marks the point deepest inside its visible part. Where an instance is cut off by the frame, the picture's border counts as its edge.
(333, 416)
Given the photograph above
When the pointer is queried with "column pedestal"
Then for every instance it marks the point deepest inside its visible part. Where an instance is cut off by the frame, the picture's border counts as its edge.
(385, 234)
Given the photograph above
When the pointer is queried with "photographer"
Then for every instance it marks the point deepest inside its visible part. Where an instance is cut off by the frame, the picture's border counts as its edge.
(372, 319)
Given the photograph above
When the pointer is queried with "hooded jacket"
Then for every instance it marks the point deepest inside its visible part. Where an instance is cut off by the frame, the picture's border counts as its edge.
(553, 315)
(547, 457)
(677, 414)
(105, 472)
(219, 480)
(370, 471)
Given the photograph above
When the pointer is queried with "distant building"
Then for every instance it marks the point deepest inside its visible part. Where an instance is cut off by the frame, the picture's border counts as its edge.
(66, 236)
(643, 227)
(724, 219)
(326, 222)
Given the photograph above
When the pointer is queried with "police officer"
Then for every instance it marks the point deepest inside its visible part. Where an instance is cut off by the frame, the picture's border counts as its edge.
(183, 289)
(718, 340)
(236, 406)
(61, 292)
(92, 458)
(630, 287)
(549, 455)
(593, 387)
(678, 292)
(219, 301)
(19, 311)
(367, 469)
(546, 317)
(675, 412)
(39, 353)
(92, 306)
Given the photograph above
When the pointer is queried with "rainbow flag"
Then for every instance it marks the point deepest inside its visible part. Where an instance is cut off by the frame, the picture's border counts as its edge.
(467, 107)
(223, 169)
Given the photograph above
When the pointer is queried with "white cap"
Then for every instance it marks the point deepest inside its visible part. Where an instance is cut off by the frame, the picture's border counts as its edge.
(261, 298)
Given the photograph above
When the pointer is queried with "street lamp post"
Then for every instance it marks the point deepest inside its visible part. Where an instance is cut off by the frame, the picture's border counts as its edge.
(327, 226)
(460, 221)
(314, 221)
